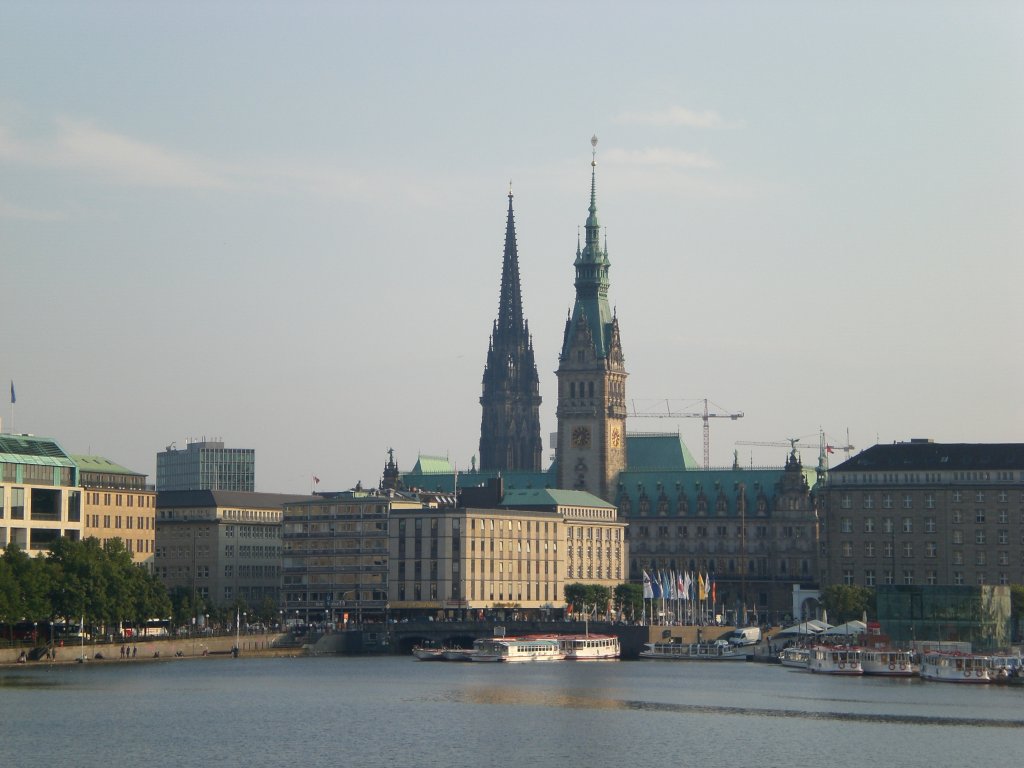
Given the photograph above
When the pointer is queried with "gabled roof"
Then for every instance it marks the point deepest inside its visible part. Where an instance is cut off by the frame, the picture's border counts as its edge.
(29, 449)
(658, 451)
(552, 497)
(924, 455)
(101, 464)
(432, 465)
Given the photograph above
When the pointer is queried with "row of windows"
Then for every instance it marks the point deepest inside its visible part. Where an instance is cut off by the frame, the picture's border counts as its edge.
(141, 522)
(846, 524)
(520, 546)
(720, 531)
(931, 549)
(252, 571)
(593, 532)
(120, 499)
(907, 499)
(907, 576)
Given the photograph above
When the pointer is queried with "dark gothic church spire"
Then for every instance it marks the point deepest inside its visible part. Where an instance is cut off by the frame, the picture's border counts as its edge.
(510, 426)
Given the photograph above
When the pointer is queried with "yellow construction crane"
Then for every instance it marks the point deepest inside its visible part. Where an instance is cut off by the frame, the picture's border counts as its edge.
(705, 415)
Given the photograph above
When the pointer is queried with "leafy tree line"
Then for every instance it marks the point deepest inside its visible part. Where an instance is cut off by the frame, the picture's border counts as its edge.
(76, 579)
(628, 597)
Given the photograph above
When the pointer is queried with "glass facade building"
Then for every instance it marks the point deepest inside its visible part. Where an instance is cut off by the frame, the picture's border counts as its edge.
(206, 466)
(979, 615)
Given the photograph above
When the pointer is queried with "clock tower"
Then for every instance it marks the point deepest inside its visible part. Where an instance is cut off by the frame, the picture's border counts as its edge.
(591, 373)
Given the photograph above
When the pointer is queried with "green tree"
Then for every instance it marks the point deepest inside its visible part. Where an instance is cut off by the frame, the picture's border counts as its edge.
(587, 597)
(630, 598)
(33, 578)
(847, 602)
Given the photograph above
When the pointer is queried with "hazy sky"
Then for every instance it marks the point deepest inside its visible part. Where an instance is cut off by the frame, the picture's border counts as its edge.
(281, 224)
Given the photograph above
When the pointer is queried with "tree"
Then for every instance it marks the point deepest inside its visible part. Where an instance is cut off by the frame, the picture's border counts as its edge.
(630, 598)
(847, 602)
(587, 597)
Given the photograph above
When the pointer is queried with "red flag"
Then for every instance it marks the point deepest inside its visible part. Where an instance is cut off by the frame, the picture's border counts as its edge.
(828, 449)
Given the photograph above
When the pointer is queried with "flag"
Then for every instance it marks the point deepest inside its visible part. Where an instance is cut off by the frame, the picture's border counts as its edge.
(648, 589)
(714, 590)
(316, 480)
(656, 585)
(13, 398)
(828, 449)
(688, 587)
(702, 586)
(680, 587)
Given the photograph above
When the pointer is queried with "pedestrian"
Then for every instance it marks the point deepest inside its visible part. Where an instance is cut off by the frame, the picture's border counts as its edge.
(135, 651)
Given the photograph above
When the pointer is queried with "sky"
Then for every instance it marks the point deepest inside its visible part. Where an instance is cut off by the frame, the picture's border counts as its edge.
(281, 225)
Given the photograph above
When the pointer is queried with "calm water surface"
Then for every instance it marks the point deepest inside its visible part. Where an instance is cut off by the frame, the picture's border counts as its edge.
(392, 711)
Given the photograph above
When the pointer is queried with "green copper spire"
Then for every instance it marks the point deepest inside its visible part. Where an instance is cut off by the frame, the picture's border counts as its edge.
(592, 275)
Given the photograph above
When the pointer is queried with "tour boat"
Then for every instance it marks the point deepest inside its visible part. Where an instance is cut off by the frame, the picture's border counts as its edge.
(1006, 669)
(458, 654)
(517, 649)
(888, 661)
(794, 657)
(584, 647)
(835, 660)
(428, 654)
(955, 667)
(717, 651)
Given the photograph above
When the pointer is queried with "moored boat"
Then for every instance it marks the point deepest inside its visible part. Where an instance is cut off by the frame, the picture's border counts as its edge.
(718, 651)
(424, 653)
(795, 657)
(515, 649)
(1006, 668)
(892, 662)
(834, 660)
(586, 647)
(459, 654)
(955, 667)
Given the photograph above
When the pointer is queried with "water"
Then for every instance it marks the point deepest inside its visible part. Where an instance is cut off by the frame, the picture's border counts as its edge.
(394, 711)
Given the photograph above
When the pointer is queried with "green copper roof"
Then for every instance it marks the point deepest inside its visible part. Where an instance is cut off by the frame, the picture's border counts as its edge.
(101, 464)
(592, 282)
(658, 451)
(432, 465)
(29, 449)
(552, 497)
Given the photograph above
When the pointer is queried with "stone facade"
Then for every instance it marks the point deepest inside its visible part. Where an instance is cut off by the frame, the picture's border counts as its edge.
(924, 513)
(510, 437)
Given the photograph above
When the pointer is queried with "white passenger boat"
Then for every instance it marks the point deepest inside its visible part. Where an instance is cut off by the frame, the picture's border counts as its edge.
(423, 653)
(835, 660)
(955, 667)
(891, 662)
(794, 657)
(459, 654)
(717, 651)
(1003, 668)
(585, 647)
(517, 649)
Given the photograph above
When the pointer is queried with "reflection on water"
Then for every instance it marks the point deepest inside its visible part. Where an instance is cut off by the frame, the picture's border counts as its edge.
(378, 712)
(523, 698)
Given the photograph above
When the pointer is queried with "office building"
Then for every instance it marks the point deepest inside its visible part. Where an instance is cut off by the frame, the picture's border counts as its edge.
(118, 504)
(206, 466)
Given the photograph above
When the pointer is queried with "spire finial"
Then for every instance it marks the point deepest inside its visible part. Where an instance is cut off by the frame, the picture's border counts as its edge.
(510, 187)
(593, 143)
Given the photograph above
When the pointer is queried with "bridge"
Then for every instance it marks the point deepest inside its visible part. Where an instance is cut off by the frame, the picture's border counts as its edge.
(399, 638)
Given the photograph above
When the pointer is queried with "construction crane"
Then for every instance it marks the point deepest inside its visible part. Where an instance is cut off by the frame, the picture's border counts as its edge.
(705, 415)
(824, 448)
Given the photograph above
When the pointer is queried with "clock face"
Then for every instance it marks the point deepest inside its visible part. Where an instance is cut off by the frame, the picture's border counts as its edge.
(580, 437)
(616, 437)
